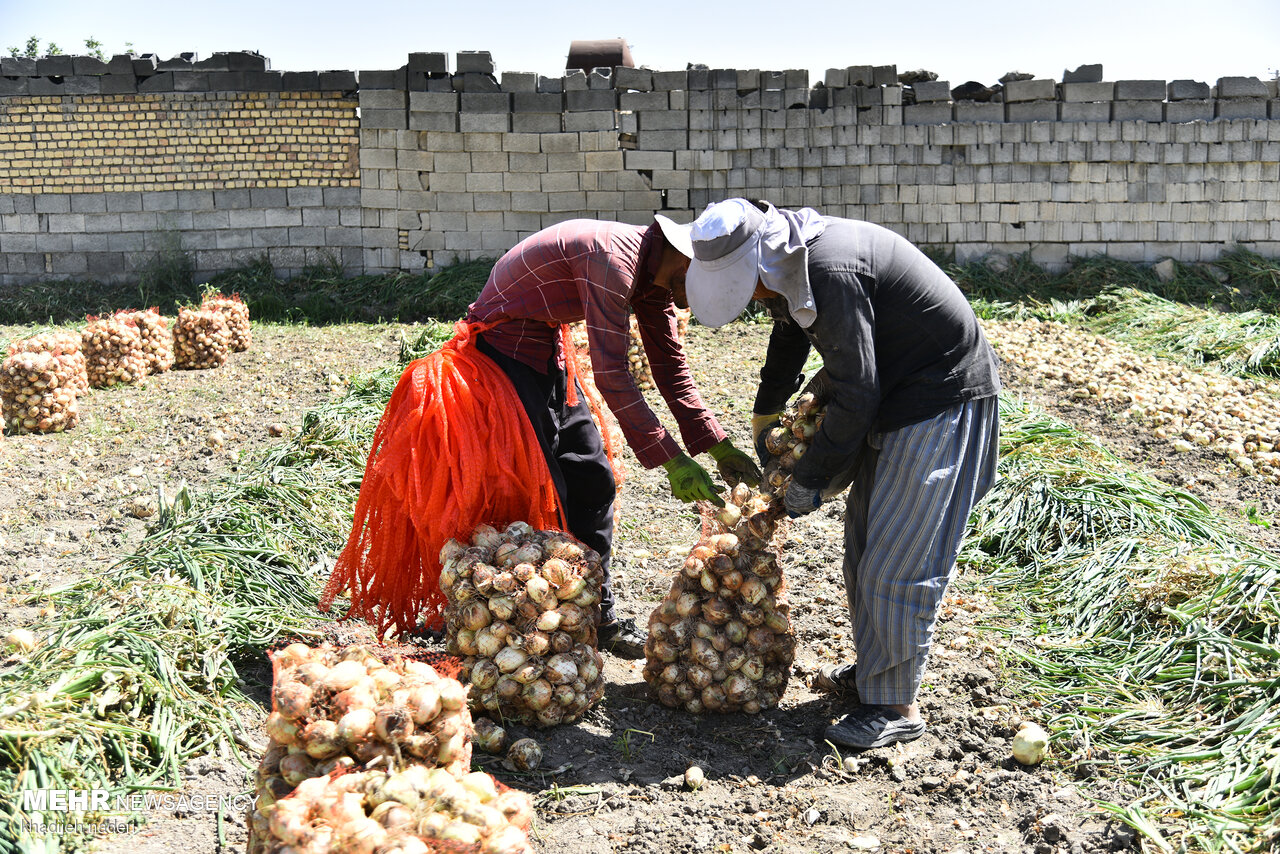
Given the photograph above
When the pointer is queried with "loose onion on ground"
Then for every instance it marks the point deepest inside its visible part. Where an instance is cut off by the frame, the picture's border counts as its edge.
(522, 614)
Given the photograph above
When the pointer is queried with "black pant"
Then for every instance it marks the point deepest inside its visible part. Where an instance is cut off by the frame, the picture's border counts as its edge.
(574, 451)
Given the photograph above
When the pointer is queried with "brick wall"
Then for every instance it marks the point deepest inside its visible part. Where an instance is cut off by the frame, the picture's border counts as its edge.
(403, 168)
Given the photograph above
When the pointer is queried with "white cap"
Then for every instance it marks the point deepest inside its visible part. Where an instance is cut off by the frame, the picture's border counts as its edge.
(724, 243)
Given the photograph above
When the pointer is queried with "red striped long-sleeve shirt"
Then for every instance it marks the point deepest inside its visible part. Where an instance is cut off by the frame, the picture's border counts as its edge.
(592, 270)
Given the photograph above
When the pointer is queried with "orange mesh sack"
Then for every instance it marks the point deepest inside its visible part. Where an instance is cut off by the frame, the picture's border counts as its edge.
(113, 351)
(201, 339)
(523, 608)
(64, 346)
(33, 396)
(453, 450)
(157, 340)
(237, 314)
(335, 709)
(413, 811)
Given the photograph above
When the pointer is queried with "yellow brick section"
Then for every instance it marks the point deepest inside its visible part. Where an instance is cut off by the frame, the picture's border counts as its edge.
(178, 141)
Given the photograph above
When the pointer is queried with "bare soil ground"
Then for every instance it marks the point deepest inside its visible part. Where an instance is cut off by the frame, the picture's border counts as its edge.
(613, 782)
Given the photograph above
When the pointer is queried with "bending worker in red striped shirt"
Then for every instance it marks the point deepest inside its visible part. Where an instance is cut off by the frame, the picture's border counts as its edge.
(595, 271)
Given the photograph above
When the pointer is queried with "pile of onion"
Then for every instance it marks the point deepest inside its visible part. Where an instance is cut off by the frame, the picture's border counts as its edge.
(33, 396)
(201, 339)
(64, 346)
(237, 315)
(413, 811)
(637, 361)
(787, 442)
(157, 340)
(721, 640)
(522, 614)
(336, 709)
(113, 351)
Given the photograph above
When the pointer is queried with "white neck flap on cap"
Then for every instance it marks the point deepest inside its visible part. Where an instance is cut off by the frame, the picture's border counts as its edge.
(784, 260)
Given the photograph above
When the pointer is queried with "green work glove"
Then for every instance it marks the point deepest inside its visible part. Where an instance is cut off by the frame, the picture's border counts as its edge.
(735, 467)
(690, 481)
(760, 427)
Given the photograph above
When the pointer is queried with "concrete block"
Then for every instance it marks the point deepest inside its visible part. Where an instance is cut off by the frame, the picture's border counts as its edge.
(300, 81)
(1141, 111)
(519, 81)
(550, 85)
(17, 66)
(53, 204)
(884, 75)
(536, 122)
(10, 86)
(644, 101)
(798, 78)
(590, 99)
(384, 99)
(836, 78)
(1030, 90)
(634, 79)
(1031, 111)
(928, 91)
(88, 65)
(537, 102)
(474, 81)
(1188, 90)
(486, 102)
(1075, 93)
(588, 121)
(484, 122)
(394, 79)
(926, 114)
(306, 197)
(1189, 110)
(670, 80)
(430, 102)
(575, 80)
(428, 63)
(1140, 90)
(600, 78)
(1240, 108)
(1087, 111)
(1242, 87)
(978, 112)
(441, 121)
(474, 60)
(567, 202)
(384, 119)
(337, 81)
(55, 66)
(1083, 74)
(675, 120)
(146, 65)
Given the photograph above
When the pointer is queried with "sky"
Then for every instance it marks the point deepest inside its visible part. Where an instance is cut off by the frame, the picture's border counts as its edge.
(957, 40)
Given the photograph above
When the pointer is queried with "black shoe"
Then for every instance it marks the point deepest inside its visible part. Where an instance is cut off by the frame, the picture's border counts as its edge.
(621, 638)
(839, 679)
(873, 726)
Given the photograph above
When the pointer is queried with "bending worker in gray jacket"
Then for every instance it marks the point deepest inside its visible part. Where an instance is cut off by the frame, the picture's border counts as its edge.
(910, 386)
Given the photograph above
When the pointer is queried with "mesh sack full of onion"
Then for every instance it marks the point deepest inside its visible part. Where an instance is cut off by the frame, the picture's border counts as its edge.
(157, 339)
(33, 396)
(200, 339)
(237, 314)
(336, 709)
(64, 346)
(721, 639)
(411, 811)
(522, 614)
(113, 353)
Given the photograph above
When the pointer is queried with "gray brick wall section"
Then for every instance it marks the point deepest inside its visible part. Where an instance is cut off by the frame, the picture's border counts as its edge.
(454, 166)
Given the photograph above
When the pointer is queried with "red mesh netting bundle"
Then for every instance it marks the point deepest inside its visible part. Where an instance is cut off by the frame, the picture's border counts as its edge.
(454, 450)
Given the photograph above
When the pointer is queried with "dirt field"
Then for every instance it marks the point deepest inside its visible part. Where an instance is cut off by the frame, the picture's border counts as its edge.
(75, 502)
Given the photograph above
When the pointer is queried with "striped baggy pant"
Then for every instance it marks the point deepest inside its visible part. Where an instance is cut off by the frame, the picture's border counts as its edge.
(905, 518)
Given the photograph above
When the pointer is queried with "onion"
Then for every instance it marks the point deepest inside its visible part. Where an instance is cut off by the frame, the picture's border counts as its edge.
(488, 644)
(1030, 744)
(488, 736)
(561, 668)
(453, 694)
(525, 755)
(343, 675)
(485, 674)
(292, 699)
(475, 616)
(356, 725)
(296, 767)
(320, 739)
(280, 729)
(393, 723)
